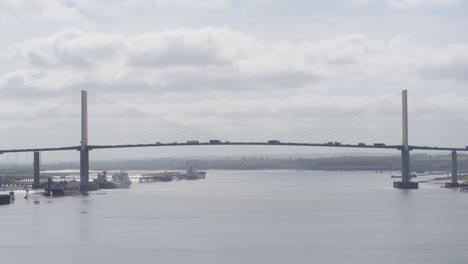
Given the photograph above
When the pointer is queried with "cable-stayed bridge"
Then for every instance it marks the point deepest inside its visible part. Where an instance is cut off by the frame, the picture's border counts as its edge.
(358, 127)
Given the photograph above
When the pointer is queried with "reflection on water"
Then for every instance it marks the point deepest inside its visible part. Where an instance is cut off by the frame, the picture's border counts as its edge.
(84, 218)
(242, 217)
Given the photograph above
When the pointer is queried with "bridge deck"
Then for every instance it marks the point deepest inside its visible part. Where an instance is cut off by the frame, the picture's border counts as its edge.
(91, 147)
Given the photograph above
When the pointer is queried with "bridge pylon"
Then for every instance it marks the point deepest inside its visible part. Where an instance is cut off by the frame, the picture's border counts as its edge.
(405, 182)
(84, 151)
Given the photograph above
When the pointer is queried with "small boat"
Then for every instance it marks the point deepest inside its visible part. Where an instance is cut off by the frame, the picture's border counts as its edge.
(64, 188)
(119, 180)
(166, 178)
(192, 174)
(5, 199)
(158, 177)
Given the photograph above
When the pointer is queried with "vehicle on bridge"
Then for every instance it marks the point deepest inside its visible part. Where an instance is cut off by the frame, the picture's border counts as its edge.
(362, 144)
(337, 143)
(379, 145)
(192, 142)
(215, 141)
(273, 142)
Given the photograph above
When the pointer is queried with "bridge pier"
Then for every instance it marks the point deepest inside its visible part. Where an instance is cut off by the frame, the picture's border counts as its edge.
(406, 182)
(36, 171)
(454, 182)
(84, 170)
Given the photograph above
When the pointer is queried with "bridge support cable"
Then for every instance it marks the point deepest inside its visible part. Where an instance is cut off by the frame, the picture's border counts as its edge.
(139, 118)
(375, 120)
(379, 122)
(128, 127)
(448, 127)
(39, 130)
(324, 126)
(135, 126)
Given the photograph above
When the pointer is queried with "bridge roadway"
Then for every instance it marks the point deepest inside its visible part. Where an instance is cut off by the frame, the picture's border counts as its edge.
(91, 147)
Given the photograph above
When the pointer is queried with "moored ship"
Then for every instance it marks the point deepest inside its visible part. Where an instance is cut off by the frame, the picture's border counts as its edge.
(63, 188)
(119, 180)
(192, 174)
(165, 176)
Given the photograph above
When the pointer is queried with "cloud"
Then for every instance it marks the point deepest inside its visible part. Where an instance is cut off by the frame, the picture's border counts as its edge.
(413, 3)
(71, 48)
(180, 47)
(83, 13)
(221, 59)
(449, 63)
(38, 9)
(210, 4)
(191, 47)
(119, 4)
(420, 3)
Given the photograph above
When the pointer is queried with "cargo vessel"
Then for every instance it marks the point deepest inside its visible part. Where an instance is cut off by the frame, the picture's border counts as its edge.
(192, 174)
(119, 180)
(62, 188)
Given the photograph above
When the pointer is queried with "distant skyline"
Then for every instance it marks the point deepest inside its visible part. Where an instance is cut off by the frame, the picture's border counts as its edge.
(230, 67)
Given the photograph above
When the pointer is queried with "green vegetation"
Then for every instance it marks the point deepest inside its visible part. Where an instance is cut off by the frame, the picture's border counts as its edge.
(463, 178)
(420, 163)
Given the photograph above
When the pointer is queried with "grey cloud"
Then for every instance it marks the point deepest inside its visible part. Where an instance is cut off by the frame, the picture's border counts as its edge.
(149, 4)
(457, 72)
(412, 3)
(197, 83)
(181, 47)
(21, 86)
(72, 48)
(175, 55)
(19, 91)
(210, 59)
(449, 63)
(52, 10)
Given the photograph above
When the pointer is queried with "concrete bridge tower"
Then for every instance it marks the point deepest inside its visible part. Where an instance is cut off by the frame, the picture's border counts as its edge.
(84, 151)
(405, 182)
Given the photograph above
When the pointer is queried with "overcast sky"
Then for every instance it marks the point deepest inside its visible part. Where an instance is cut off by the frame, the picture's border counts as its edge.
(235, 68)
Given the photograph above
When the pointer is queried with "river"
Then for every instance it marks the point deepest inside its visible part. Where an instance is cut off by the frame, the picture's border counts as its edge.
(242, 217)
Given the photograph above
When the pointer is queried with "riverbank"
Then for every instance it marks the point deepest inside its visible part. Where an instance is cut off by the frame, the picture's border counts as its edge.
(419, 162)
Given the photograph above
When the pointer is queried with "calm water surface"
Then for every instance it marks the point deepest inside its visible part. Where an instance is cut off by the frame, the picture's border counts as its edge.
(243, 217)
